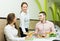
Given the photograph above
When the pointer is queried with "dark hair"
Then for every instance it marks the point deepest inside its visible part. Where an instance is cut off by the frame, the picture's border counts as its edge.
(23, 4)
(44, 13)
(10, 18)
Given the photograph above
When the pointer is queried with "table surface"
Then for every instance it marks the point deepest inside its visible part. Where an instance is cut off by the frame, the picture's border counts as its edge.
(41, 39)
(33, 38)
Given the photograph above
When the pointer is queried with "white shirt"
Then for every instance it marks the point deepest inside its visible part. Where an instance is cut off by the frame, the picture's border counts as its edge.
(11, 34)
(24, 21)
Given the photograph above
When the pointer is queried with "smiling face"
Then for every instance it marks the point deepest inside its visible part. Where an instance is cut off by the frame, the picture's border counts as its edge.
(24, 8)
(41, 17)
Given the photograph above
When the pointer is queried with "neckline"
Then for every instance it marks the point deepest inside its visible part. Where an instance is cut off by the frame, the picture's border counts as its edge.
(43, 23)
(11, 26)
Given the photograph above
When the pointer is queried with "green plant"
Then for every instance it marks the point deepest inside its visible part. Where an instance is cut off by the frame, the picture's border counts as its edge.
(38, 4)
(40, 7)
(53, 8)
(55, 12)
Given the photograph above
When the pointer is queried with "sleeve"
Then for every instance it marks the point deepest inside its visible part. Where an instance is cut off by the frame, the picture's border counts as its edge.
(28, 19)
(11, 37)
(36, 29)
(52, 28)
(22, 23)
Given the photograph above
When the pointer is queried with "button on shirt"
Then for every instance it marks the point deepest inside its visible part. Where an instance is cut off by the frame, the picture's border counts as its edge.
(44, 28)
(24, 21)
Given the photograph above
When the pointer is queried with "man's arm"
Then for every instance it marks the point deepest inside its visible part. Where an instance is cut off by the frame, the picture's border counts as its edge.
(52, 28)
(36, 29)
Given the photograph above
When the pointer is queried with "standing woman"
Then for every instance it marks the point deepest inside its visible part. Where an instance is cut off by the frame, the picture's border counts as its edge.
(24, 19)
(10, 30)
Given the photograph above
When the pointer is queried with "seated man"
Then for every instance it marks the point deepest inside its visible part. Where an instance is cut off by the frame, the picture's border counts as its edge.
(44, 27)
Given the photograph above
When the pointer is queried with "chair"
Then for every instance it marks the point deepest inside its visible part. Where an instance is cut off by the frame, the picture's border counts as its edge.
(5, 37)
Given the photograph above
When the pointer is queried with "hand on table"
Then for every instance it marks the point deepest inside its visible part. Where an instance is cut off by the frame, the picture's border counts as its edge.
(29, 35)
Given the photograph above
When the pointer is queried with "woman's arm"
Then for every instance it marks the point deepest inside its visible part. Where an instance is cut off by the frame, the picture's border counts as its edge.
(9, 35)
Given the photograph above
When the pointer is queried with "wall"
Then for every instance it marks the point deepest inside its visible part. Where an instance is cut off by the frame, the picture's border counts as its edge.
(8, 6)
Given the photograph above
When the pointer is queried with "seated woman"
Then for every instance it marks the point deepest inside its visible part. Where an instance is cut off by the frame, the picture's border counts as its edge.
(10, 30)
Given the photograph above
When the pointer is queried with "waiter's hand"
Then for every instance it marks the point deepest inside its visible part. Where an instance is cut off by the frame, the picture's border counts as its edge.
(27, 37)
(26, 33)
